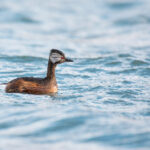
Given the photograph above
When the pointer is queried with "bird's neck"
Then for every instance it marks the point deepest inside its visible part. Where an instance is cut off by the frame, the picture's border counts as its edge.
(51, 73)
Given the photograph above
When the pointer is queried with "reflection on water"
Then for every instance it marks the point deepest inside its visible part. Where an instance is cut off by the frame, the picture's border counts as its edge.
(103, 99)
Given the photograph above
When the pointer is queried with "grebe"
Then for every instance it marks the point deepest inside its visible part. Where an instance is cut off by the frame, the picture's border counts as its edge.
(45, 85)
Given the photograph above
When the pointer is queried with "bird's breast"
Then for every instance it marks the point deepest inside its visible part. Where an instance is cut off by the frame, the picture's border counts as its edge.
(53, 89)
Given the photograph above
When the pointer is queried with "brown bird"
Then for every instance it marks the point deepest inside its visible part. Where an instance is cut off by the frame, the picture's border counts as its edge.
(45, 85)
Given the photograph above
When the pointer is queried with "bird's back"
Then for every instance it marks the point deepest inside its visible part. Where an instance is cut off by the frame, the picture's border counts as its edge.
(28, 85)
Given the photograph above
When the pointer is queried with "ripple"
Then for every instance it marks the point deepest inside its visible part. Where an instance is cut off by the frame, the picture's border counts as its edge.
(126, 22)
(21, 58)
(138, 140)
(124, 55)
(18, 17)
(119, 5)
(25, 19)
(59, 126)
(91, 70)
(127, 82)
(118, 102)
(145, 72)
(125, 71)
(123, 93)
(115, 63)
(138, 63)
(90, 61)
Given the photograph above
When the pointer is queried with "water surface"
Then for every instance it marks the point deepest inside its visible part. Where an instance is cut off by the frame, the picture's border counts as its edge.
(103, 100)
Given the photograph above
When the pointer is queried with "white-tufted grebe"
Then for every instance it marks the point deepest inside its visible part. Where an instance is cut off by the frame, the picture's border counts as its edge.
(45, 85)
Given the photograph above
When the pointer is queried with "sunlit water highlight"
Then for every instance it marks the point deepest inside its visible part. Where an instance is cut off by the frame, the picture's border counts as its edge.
(104, 98)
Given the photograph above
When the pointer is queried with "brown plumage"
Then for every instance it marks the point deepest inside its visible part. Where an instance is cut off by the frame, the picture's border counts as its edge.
(45, 85)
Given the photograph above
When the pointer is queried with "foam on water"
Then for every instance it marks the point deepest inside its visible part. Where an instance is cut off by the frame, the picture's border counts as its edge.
(103, 100)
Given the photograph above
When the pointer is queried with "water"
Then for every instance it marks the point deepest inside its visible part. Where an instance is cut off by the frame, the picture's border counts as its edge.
(103, 100)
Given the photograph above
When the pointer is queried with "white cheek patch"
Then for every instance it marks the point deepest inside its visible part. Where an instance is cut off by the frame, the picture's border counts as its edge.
(55, 57)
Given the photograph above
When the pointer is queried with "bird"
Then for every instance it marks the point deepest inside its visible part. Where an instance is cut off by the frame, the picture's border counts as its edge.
(39, 86)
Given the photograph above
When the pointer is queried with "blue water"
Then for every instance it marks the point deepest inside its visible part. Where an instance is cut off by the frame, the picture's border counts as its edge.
(104, 95)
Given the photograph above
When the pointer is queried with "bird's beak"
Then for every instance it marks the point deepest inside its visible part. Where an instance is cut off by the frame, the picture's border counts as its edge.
(68, 60)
